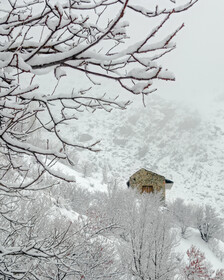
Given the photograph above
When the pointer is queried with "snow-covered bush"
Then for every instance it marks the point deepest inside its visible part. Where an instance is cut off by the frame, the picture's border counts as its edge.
(149, 252)
(198, 268)
(217, 247)
(86, 168)
(106, 174)
(45, 242)
(219, 275)
(208, 222)
(143, 228)
(182, 215)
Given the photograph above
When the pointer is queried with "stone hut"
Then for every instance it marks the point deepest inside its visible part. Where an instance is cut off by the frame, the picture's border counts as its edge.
(148, 181)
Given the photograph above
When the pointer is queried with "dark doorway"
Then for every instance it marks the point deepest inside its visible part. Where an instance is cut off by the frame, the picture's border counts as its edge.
(147, 189)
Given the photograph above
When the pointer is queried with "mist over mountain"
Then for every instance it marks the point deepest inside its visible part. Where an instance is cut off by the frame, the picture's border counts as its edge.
(166, 138)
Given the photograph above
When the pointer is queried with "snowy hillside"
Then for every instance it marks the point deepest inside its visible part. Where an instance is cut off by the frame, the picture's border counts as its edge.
(87, 190)
(70, 138)
(164, 137)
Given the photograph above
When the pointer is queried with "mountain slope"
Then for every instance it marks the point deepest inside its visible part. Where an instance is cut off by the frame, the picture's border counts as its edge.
(164, 137)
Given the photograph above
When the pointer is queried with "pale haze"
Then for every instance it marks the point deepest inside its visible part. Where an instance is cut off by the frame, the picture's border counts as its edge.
(111, 139)
(198, 61)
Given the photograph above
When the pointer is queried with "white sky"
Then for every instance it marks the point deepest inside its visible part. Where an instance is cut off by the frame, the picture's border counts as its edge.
(198, 61)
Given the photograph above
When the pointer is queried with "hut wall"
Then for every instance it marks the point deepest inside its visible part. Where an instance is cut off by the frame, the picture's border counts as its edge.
(146, 178)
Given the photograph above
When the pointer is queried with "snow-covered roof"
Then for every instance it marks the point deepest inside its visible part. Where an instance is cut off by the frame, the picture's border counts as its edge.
(148, 171)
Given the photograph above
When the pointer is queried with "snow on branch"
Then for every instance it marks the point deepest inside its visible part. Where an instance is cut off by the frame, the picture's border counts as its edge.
(85, 36)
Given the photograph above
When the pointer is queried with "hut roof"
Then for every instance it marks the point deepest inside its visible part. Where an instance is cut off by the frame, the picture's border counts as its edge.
(148, 171)
(168, 181)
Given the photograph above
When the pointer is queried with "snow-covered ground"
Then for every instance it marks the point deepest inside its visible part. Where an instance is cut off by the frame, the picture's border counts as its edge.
(94, 184)
(194, 239)
(164, 137)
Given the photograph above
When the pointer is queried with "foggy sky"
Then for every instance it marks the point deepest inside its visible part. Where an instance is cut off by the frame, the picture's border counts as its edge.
(198, 61)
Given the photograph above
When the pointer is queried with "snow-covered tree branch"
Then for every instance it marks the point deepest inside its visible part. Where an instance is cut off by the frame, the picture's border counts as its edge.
(91, 37)
(39, 242)
(38, 37)
(208, 222)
